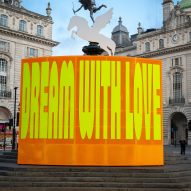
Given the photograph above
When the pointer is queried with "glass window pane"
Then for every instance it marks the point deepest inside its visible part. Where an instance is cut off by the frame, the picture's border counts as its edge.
(177, 86)
(147, 46)
(4, 20)
(176, 61)
(3, 66)
(3, 83)
(32, 52)
(4, 46)
(22, 25)
(161, 43)
(40, 30)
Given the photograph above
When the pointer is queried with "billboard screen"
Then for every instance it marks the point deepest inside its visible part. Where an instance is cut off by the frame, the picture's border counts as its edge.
(97, 111)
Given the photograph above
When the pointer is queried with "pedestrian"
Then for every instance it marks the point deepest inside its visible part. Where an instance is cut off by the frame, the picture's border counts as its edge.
(183, 146)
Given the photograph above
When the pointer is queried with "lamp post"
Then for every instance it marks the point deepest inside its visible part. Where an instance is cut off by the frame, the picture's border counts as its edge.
(14, 120)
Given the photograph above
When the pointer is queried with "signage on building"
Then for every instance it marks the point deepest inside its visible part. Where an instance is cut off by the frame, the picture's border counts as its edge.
(85, 110)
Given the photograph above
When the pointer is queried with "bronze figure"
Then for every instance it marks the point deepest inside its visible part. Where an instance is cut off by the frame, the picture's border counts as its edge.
(89, 5)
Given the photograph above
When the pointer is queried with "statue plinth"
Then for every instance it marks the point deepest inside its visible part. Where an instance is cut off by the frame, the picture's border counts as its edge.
(93, 49)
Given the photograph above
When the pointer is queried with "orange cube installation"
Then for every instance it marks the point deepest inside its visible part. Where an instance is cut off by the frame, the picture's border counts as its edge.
(91, 111)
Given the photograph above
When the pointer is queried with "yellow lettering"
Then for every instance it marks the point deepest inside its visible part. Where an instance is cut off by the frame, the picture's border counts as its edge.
(156, 102)
(66, 105)
(34, 115)
(116, 100)
(86, 103)
(25, 106)
(44, 100)
(147, 84)
(138, 101)
(129, 116)
(53, 103)
(98, 75)
(105, 82)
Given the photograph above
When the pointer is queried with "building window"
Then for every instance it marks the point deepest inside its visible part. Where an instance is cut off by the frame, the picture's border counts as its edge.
(31, 52)
(3, 75)
(177, 87)
(147, 47)
(4, 46)
(161, 43)
(40, 30)
(23, 26)
(177, 61)
(3, 66)
(3, 83)
(4, 20)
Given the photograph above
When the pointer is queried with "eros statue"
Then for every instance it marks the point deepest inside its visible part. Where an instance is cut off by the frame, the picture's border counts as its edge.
(89, 5)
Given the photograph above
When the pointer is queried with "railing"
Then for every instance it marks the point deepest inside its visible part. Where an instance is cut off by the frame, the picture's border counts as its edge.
(5, 94)
(176, 101)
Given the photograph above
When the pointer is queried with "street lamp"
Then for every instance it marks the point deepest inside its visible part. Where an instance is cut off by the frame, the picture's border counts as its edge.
(14, 120)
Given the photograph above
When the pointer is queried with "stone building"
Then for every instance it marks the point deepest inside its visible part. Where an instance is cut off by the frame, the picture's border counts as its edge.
(23, 33)
(172, 45)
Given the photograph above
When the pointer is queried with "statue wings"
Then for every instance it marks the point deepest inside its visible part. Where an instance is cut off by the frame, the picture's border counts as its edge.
(103, 20)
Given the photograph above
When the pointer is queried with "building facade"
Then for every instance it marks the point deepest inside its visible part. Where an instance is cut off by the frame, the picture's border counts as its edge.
(172, 45)
(22, 34)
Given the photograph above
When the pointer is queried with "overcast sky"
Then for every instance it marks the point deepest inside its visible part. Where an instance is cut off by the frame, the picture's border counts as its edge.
(148, 12)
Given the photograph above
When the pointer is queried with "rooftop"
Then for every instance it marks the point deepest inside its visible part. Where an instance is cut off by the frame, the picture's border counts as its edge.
(185, 4)
(120, 27)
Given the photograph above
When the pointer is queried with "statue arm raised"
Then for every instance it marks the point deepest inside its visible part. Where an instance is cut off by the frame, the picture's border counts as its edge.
(77, 9)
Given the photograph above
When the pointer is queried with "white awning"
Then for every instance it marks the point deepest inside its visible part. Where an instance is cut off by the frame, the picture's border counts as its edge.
(4, 121)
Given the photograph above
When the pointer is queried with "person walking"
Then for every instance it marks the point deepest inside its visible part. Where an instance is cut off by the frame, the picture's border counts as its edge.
(183, 146)
(183, 138)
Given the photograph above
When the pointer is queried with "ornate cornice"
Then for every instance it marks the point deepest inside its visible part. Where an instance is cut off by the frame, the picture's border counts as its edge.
(129, 48)
(6, 55)
(176, 69)
(164, 30)
(26, 12)
(28, 37)
(166, 51)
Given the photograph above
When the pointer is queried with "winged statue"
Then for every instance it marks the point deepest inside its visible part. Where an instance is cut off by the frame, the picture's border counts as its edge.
(91, 6)
(92, 34)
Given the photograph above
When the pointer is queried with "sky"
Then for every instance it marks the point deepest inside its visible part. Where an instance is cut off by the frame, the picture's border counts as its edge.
(148, 12)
